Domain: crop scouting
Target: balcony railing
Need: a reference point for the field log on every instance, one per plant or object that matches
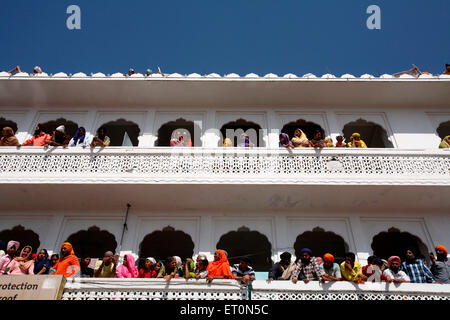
(181, 289)
(225, 165)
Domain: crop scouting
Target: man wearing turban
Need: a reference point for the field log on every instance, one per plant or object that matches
(330, 271)
(307, 267)
(440, 267)
(393, 273)
(68, 264)
(7, 260)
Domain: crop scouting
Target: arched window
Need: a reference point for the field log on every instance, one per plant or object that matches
(165, 243)
(443, 130)
(92, 242)
(7, 123)
(25, 237)
(321, 242)
(168, 130)
(116, 130)
(395, 243)
(309, 128)
(233, 130)
(244, 242)
(70, 126)
(371, 133)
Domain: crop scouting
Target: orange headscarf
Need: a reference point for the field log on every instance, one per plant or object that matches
(439, 247)
(220, 268)
(69, 247)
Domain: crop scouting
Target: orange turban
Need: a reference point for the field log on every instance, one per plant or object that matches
(439, 247)
(69, 247)
(328, 257)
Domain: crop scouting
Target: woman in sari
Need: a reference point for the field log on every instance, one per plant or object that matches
(169, 270)
(148, 271)
(245, 141)
(284, 141)
(22, 264)
(127, 269)
(220, 267)
(445, 142)
(187, 270)
(227, 143)
(8, 138)
(42, 263)
(356, 142)
(317, 141)
(300, 140)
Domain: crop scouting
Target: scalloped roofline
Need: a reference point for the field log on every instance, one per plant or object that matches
(215, 76)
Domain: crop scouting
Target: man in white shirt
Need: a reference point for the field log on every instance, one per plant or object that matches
(393, 274)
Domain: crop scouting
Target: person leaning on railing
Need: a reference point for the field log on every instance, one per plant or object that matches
(243, 271)
(59, 138)
(307, 267)
(351, 270)
(101, 139)
(330, 271)
(39, 137)
(440, 267)
(8, 139)
(106, 268)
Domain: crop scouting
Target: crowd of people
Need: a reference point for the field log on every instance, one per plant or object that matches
(300, 140)
(58, 138)
(306, 268)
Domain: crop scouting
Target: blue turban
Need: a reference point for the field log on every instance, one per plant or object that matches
(308, 251)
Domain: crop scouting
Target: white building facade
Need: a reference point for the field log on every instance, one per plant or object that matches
(214, 196)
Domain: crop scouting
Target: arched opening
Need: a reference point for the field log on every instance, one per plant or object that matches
(443, 130)
(70, 126)
(92, 242)
(188, 129)
(234, 130)
(24, 236)
(252, 244)
(7, 123)
(309, 128)
(165, 243)
(116, 131)
(371, 133)
(395, 243)
(321, 242)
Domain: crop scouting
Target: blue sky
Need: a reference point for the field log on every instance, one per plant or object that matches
(240, 36)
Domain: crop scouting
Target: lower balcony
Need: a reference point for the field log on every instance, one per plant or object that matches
(225, 166)
(181, 289)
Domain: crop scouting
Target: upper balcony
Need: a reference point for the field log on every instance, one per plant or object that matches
(304, 166)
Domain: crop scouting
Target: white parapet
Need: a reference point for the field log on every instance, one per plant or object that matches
(199, 289)
(225, 165)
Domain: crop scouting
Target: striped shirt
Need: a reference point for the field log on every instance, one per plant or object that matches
(240, 273)
(417, 271)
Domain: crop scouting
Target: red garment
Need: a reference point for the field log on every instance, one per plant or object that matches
(37, 141)
(220, 268)
(147, 274)
(367, 274)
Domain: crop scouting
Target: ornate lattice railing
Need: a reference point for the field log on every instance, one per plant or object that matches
(230, 165)
(343, 290)
(180, 289)
(152, 289)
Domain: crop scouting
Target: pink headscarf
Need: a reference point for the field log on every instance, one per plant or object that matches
(13, 243)
(129, 271)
